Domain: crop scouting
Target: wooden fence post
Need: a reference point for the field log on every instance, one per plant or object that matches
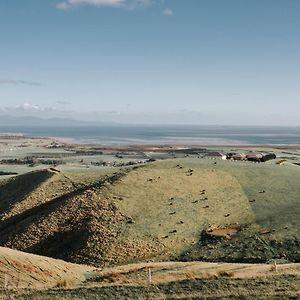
(149, 276)
(5, 281)
(275, 266)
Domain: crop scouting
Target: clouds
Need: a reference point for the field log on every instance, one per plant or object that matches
(127, 4)
(168, 12)
(71, 3)
(67, 4)
(28, 108)
(20, 82)
(63, 102)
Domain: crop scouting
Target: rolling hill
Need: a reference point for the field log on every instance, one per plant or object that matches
(24, 270)
(178, 209)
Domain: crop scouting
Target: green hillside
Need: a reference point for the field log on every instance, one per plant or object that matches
(178, 209)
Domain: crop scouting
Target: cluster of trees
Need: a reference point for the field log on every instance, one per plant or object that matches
(263, 158)
(31, 161)
(267, 157)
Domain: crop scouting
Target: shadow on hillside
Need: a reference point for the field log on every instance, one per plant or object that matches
(16, 225)
(18, 188)
(26, 231)
(243, 248)
(62, 245)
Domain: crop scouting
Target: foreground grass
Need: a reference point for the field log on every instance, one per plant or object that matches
(279, 287)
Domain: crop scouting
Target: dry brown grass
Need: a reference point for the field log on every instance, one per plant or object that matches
(281, 161)
(225, 274)
(22, 270)
(62, 283)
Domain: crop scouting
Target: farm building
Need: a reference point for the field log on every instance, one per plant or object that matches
(216, 155)
(254, 156)
(238, 156)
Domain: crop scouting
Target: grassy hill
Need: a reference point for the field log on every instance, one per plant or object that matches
(23, 270)
(169, 208)
(178, 209)
(75, 226)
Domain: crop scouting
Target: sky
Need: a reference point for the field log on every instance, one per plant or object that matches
(233, 62)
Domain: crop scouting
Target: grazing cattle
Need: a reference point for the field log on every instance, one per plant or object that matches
(130, 221)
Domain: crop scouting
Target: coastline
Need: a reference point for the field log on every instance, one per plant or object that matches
(141, 137)
(158, 146)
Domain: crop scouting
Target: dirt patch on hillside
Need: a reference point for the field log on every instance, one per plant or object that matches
(227, 233)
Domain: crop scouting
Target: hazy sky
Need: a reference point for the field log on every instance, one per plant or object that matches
(185, 61)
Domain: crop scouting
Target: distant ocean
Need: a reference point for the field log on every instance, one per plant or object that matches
(205, 135)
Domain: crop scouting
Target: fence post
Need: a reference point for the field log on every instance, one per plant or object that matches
(149, 276)
(5, 281)
(275, 266)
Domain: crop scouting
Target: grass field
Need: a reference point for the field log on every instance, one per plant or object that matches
(164, 210)
(168, 207)
(182, 210)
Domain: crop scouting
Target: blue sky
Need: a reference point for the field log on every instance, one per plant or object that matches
(152, 61)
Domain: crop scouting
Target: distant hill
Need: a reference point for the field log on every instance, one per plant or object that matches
(6, 120)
